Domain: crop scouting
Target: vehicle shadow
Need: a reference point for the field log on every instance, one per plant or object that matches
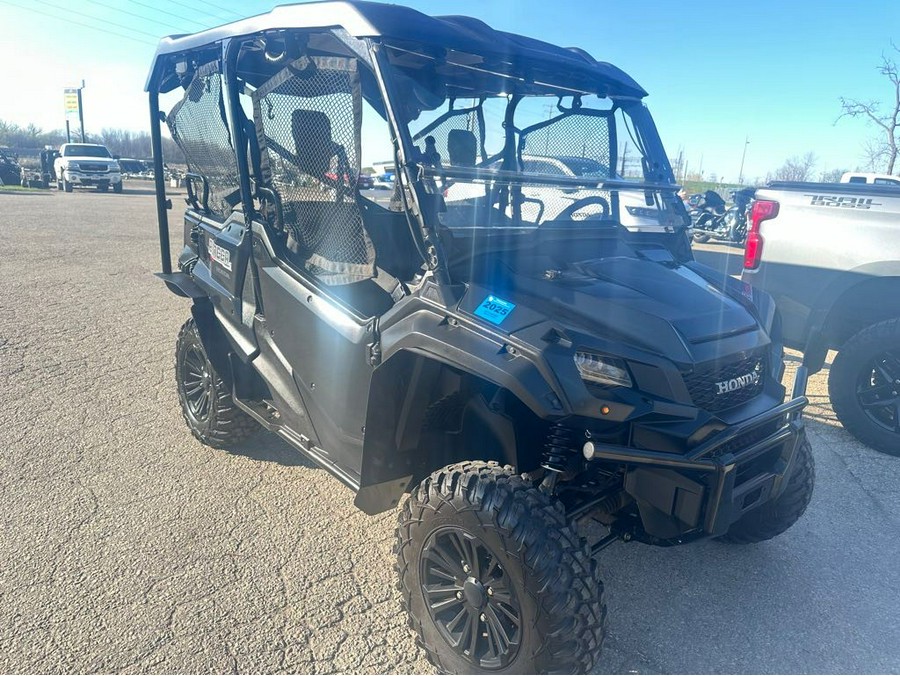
(715, 607)
(267, 447)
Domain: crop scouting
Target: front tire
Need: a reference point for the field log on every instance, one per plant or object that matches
(117, 187)
(495, 578)
(776, 516)
(68, 187)
(205, 398)
(864, 386)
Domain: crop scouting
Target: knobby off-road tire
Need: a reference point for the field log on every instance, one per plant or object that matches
(205, 398)
(491, 564)
(864, 386)
(776, 516)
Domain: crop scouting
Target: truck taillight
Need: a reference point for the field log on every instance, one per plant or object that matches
(762, 210)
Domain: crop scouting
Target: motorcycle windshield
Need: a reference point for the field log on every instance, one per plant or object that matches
(499, 152)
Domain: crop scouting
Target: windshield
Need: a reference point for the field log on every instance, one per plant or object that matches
(85, 151)
(507, 153)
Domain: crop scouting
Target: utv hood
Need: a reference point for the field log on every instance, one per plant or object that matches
(664, 308)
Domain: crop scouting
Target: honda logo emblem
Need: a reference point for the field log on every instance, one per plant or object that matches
(725, 386)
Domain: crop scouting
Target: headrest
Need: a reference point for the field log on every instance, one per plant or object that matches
(462, 146)
(311, 130)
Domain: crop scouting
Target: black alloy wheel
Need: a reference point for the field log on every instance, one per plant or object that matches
(196, 383)
(878, 390)
(864, 386)
(469, 598)
(205, 398)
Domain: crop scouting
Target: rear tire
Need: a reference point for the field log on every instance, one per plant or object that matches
(510, 586)
(206, 403)
(776, 516)
(864, 386)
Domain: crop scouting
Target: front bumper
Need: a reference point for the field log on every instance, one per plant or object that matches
(83, 178)
(701, 493)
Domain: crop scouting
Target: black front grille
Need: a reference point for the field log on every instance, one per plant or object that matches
(95, 167)
(722, 386)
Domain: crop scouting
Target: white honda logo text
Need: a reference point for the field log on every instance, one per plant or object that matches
(737, 383)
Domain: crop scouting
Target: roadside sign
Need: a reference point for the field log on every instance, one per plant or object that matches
(70, 100)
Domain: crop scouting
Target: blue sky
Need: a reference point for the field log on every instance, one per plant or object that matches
(716, 72)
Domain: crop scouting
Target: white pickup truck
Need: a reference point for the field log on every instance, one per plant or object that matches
(87, 165)
(829, 253)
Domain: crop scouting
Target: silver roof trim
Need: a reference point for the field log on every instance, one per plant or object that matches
(328, 14)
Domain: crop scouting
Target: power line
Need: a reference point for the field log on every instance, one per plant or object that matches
(138, 16)
(78, 23)
(172, 14)
(93, 18)
(219, 16)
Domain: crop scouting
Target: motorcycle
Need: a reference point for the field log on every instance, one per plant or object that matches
(710, 219)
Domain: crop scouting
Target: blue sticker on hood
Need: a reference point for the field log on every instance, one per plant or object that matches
(494, 309)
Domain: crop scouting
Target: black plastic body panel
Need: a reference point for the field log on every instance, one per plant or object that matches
(325, 349)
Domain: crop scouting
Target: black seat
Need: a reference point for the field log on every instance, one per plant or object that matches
(462, 147)
(328, 225)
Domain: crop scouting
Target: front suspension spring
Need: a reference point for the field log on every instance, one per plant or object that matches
(560, 448)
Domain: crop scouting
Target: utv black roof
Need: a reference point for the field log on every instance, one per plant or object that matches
(512, 53)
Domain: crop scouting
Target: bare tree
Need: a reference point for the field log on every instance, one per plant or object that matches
(882, 150)
(796, 168)
(832, 175)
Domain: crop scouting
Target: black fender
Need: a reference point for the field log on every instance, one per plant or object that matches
(399, 395)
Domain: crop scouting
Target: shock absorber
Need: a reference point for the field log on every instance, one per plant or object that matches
(559, 450)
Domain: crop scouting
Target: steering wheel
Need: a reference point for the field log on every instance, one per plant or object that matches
(566, 214)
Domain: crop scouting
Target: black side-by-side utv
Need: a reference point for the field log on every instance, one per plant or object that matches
(516, 335)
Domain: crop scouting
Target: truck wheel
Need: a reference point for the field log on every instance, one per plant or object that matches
(776, 516)
(205, 398)
(700, 237)
(495, 578)
(67, 186)
(864, 386)
(117, 187)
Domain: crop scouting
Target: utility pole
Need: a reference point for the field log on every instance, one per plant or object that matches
(743, 156)
(81, 111)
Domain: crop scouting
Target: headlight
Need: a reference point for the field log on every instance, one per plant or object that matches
(115, 167)
(643, 212)
(602, 369)
(71, 166)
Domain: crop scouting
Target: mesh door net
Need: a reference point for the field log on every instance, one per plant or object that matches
(197, 124)
(308, 123)
(458, 137)
(577, 144)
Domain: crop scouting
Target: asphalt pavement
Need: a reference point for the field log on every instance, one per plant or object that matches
(126, 546)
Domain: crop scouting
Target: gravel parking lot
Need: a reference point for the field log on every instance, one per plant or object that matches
(126, 546)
